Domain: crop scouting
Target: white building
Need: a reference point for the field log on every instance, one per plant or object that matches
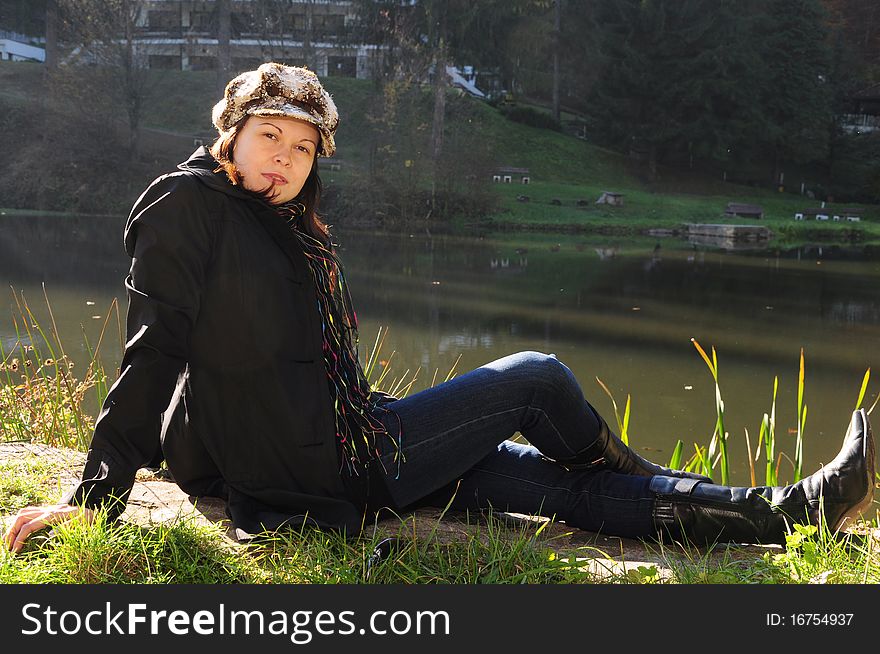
(183, 35)
(12, 50)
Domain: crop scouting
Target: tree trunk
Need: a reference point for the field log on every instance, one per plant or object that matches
(51, 35)
(308, 55)
(224, 55)
(777, 165)
(439, 118)
(556, 45)
(132, 87)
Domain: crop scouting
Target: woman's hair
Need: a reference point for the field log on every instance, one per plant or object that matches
(309, 196)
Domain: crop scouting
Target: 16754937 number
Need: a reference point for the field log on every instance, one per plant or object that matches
(821, 619)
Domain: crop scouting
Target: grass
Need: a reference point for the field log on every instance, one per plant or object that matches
(643, 210)
(714, 457)
(562, 167)
(41, 400)
(45, 402)
(24, 483)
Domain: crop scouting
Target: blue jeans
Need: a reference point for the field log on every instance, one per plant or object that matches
(454, 441)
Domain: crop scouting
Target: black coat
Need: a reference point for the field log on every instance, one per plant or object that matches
(224, 341)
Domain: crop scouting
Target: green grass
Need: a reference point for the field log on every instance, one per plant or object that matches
(25, 482)
(643, 210)
(185, 552)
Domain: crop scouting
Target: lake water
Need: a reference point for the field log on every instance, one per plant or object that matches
(623, 310)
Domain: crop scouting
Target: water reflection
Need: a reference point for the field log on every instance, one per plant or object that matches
(620, 310)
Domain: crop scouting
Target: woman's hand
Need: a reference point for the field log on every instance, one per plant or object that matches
(34, 518)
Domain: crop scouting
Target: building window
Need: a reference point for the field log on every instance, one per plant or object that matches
(246, 63)
(165, 62)
(163, 19)
(242, 23)
(201, 21)
(327, 25)
(342, 66)
(295, 23)
(202, 63)
(507, 179)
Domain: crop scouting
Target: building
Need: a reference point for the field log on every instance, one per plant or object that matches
(848, 214)
(612, 198)
(183, 35)
(864, 116)
(464, 79)
(18, 47)
(506, 175)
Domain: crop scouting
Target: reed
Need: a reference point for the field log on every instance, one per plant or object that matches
(719, 437)
(801, 423)
(41, 399)
(622, 423)
(767, 436)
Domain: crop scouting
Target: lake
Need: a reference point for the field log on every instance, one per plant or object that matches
(620, 309)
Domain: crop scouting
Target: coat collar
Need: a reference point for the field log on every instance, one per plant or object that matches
(203, 164)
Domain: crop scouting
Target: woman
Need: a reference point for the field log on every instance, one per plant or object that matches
(241, 371)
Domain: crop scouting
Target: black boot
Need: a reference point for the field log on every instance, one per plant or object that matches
(700, 513)
(609, 452)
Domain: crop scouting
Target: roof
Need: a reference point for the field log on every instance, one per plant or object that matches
(869, 92)
(511, 169)
(459, 80)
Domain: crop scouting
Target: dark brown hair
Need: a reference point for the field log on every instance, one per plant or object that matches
(309, 196)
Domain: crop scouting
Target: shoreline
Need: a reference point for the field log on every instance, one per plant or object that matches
(785, 233)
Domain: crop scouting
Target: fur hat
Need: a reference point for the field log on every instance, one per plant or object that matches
(278, 90)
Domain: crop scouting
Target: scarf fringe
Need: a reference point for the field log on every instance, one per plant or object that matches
(357, 430)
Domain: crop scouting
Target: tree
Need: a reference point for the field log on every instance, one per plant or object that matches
(858, 24)
(23, 16)
(795, 94)
(103, 33)
(557, 31)
(51, 34)
(661, 61)
(419, 40)
(224, 54)
(278, 25)
(692, 80)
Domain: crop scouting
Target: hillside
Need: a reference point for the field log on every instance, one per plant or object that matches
(567, 173)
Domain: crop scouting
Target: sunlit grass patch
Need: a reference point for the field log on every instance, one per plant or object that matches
(118, 552)
(26, 481)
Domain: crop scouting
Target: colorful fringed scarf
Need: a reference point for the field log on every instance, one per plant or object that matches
(356, 428)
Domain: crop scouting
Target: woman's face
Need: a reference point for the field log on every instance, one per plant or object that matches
(275, 152)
